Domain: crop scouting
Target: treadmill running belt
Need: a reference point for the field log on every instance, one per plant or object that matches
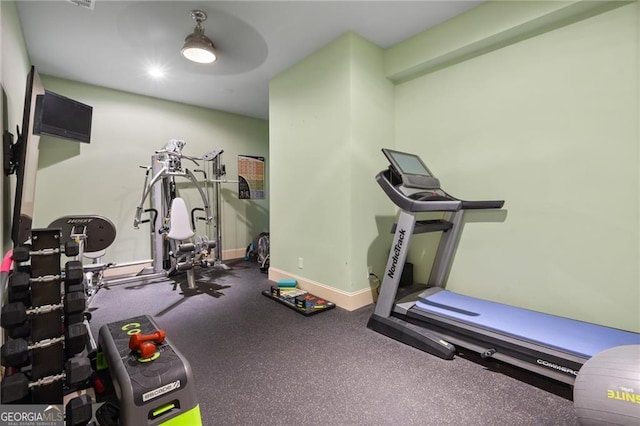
(565, 334)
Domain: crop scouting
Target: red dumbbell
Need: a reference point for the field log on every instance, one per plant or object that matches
(145, 342)
(146, 349)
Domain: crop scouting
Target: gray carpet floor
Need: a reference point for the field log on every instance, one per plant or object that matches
(256, 362)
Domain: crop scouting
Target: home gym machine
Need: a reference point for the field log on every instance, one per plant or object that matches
(172, 249)
(437, 319)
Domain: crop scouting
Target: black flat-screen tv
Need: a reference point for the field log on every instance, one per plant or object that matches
(63, 117)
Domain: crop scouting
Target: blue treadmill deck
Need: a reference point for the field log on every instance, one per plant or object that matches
(577, 337)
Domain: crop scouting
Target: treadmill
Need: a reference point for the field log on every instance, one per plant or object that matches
(435, 320)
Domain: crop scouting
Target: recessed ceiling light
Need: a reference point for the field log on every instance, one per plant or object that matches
(156, 72)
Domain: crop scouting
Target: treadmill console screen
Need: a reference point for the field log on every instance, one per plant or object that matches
(413, 171)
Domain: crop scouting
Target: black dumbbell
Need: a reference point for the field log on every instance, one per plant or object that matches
(21, 331)
(71, 248)
(17, 352)
(73, 273)
(78, 411)
(19, 287)
(23, 253)
(15, 388)
(15, 314)
(108, 414)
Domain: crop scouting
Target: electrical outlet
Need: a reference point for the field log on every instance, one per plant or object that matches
(300, 263)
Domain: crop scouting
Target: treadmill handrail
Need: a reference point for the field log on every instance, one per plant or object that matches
(482, 205)
(408, 204)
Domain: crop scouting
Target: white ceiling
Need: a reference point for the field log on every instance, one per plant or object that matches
(114, 44)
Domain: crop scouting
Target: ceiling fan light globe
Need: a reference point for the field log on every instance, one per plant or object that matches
(198, 48)
(199, 55)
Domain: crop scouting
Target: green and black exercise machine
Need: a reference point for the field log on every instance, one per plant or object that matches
(153, 382)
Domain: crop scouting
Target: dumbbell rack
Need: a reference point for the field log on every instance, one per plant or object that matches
(45, 355)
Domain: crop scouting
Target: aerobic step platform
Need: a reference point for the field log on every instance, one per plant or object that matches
(300, 301)
(153, 391)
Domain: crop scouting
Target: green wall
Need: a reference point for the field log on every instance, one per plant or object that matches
(372, 128)
(321, 138)
(488, 27)
(549, 124)
(310, 163)
(532, 102)
(104, 177)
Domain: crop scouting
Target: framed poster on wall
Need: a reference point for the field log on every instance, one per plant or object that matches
(251, 177)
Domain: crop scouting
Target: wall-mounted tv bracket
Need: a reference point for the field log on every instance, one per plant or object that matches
(10, 151)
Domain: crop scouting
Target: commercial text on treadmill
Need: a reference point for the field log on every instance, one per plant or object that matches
(557, 367)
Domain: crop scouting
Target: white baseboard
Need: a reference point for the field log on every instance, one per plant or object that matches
(233, 253)
(129, 268)
(343, 299)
